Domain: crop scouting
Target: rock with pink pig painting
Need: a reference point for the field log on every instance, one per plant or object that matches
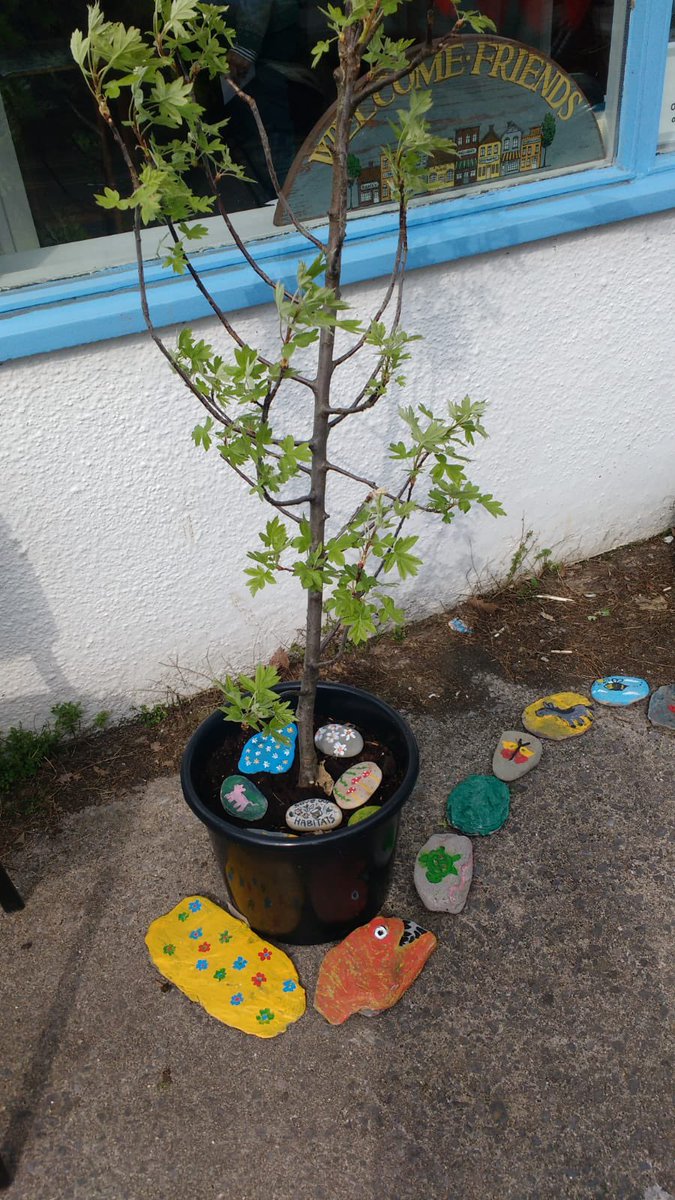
(443, 872)
(241, 798)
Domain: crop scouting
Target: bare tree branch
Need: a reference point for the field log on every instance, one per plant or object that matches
(397, 272)
(264, 140)
(207, 295)
(369, 483)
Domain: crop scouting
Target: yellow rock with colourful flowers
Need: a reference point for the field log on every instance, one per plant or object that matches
(220, 963)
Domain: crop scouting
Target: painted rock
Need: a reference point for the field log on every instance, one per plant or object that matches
(241, 798)
(562, 715)
(264, 752)
(620, 690)
(516, 754)
(662, 707)
(363, 813)
(479, 804)
(357, 784)
(223, 965)
(372, 968)
(338, 741)
(443, 872)
(312, 816)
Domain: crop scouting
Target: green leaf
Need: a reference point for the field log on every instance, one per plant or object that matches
(79, 47)
(399, 557)
(110, 198)
(201, 434)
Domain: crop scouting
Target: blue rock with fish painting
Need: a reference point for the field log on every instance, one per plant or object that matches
(265, 752)
(620, 690)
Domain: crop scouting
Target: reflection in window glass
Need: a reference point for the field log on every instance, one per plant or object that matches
(55, 152)
(667, 123)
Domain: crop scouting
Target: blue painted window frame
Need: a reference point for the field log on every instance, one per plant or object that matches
(105, 305)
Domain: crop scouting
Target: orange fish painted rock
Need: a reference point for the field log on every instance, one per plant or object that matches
(372, 968)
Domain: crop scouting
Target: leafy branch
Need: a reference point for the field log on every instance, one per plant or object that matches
(144, 88)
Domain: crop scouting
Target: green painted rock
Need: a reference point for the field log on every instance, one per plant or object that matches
(478, 805)
(362, 813)
(241, 798)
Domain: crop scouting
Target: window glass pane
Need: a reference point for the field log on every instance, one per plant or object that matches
(544, 101)
(667, 124)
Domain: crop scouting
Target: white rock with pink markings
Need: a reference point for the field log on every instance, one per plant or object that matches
(443, 872)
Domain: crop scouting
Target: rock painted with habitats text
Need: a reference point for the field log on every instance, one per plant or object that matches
(516, 754)
(221, 964)
(619, 690)
(372, 968)
(241, 798)
(265, 752)
(313, 816)
(443, 872)
(559, 716)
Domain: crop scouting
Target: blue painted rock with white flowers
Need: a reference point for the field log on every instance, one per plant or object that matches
(620, 690)
(264, 752)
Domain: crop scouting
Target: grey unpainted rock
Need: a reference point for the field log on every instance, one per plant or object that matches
(443, 872)
(661, 709)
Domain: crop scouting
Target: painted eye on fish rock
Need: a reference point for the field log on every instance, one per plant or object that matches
(355, 894)
(381, 932)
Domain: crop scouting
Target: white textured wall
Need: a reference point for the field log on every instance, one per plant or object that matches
(122, 546)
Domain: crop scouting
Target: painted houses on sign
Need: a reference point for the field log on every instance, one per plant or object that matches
(477, 159)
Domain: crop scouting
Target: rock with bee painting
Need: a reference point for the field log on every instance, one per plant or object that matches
(516, 754)
(443, 872)
(372, 968)
(620, 690)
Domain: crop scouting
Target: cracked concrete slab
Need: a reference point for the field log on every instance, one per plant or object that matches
(529, 1061)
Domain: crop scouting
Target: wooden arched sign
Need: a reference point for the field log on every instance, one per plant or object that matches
(511, 111)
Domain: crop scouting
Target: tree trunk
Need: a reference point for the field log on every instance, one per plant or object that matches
(346, 75)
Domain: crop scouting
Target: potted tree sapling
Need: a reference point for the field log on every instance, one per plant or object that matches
(312, 872)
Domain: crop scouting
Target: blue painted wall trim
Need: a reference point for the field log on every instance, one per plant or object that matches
(105, 305)
(114, 310)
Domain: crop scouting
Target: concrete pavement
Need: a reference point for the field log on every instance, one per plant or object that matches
(529, 1061)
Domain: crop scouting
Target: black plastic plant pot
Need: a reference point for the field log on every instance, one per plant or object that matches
(317, 888)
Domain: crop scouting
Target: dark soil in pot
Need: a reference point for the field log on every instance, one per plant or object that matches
(281, 791)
